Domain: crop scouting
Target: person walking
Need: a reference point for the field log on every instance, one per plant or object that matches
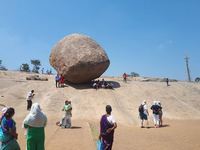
(167, 81)
(107, 128)
(8, 134)
(125, 77)
(143, 113)
(29, 99)
(35, 123)
(155, 109)
(160, 114)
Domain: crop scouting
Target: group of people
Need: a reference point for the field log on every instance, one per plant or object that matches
(36, 120)
(96, 84)
(34, 124)
(60, 80)
(156, 111)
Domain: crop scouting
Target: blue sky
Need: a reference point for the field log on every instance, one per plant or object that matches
(148, 37)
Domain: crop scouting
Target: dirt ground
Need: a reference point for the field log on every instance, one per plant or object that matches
(180, 101)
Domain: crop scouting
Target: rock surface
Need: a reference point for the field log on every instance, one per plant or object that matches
(36, 77)
(79, 58)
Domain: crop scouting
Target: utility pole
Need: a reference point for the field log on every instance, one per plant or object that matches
(187, 67)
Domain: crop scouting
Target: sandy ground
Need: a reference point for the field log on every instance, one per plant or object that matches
(180, 101)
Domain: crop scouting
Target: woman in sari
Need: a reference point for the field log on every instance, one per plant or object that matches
(8, 135)
(35, 122)
(107, 127)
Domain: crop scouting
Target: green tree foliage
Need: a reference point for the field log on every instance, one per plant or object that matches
(36, 65)
(2, 67)
(49, 72)
(25, 68)
(197, 79)
(134, 74)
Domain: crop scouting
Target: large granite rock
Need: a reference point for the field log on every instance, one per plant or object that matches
(79, 58)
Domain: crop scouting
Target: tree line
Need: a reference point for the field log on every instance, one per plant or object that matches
(24, 67)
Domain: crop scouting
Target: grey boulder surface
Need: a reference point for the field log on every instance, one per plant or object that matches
(79, 58)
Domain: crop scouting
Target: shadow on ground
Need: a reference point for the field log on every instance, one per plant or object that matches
(89, 85)
(163, 126)
(75, 127)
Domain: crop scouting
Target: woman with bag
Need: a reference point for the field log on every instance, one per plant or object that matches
(107, 128)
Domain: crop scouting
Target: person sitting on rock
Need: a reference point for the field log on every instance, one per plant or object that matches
(109, 85)
(96, 84)
(103, 83)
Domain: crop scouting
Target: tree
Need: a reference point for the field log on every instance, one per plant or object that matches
(197, 79)
(134, 74)
(25, 68)
(42, 70)
(2, 67)
(49, 72)
(36, 65)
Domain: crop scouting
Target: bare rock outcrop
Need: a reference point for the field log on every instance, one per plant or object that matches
(79, 58)
(36, 77)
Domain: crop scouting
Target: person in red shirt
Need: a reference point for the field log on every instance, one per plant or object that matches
(124, 77)
(62, 80)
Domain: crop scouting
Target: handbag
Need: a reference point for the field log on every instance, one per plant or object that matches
(99, 145)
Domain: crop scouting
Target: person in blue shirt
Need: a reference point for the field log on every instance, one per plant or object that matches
(57, 79)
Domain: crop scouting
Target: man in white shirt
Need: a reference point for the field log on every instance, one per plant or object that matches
(29, 99)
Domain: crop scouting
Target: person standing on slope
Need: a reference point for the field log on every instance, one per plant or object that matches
(143, 113)
(29, 99)
(107, 128)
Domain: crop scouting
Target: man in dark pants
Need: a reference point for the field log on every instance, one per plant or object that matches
(57, 79)
(167, 81)
(29, 99)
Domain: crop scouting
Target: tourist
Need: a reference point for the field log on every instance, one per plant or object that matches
(107, 128)
(155, 108)
(57, 79)
(125, 77)
(143, 113)
(35, 122)
(29, 99)
(167, 81)
(160, 114)
(62, 81)
(66, 120)
(96, 84)
(8, 135)
(103, 83)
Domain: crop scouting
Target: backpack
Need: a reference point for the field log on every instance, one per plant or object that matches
(141, 108)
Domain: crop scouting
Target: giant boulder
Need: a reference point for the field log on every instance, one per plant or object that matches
(79, 58)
